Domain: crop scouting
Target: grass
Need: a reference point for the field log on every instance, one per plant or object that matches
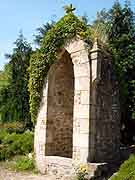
(127, 170)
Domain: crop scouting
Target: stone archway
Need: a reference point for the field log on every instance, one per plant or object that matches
(71, 68)
(79, 112)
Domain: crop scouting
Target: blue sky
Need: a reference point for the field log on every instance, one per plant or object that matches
(27, 15)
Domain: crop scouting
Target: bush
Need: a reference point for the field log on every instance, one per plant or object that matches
(11, 127)
(3, 133)
(24, 163)
(127, 170)
(15, 144)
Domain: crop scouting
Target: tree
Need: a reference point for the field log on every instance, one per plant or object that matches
(101, 26)
(42, 32)
(5, 76)
(122, 44)
(118, 26)
(16, 95)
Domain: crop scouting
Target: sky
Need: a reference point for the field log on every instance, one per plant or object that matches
(28, 15)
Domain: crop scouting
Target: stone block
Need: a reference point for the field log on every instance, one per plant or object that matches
(82, 83)
(80, 57)
(75, 45)
(94, 70)
(82, 70)
(76, 153)
(84, 125)
(83, 154)
(81, 111)
(76, 139)
(77, 97)
(85, 97)
(94, 56)
(84, 140)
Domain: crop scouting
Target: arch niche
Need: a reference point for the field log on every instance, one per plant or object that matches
(64, 107)
(59, 128)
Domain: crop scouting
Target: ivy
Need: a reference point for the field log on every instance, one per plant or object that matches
(67, 28)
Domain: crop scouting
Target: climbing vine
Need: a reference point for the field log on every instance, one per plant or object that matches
(68, 27)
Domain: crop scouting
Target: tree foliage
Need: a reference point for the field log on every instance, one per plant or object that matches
(101, 26)
(122, 44)
(119, 27)
(14, 98)
(42, 31)
(5, 76)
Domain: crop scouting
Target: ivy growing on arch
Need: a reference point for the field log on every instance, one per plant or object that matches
(67, 28)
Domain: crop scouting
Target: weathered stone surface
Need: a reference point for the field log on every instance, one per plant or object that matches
(81, 111)
(82, 83)
(79, 114)
(59, 128)
(82, 70)
(75, 45)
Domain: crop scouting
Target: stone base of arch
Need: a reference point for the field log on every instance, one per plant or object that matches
(66, 168)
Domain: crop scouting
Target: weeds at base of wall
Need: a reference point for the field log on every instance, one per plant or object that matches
(24, 163)
(81, 172)
(21, 163)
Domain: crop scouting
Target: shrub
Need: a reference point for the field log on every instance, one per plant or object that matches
(11, 127)
(127, 170)
(3, 133)
(15, 144)
(24, 163)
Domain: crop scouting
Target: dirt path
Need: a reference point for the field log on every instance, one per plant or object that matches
(10, 175)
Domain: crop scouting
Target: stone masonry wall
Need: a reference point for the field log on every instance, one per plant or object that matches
(104, 110)
(59, 130)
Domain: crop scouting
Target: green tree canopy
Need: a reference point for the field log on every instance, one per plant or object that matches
(5, 76)
(119, 26)
(42, 31)
(14, 99)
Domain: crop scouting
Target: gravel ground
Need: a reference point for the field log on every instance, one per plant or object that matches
(10, 175)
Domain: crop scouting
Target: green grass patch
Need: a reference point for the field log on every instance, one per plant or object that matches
(20, 163)
(24, 163)
(127, 170)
